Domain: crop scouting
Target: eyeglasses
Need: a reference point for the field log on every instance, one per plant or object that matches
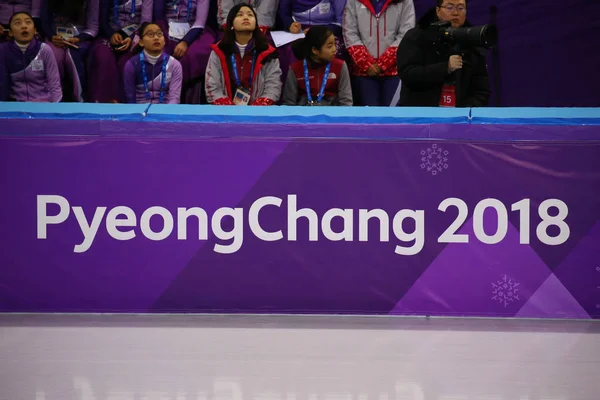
(451, 7)
(152, 35)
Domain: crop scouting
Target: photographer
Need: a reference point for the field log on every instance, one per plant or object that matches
(436, 71)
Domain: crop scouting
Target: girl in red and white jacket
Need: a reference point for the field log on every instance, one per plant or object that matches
(243, 69)
(318, 78)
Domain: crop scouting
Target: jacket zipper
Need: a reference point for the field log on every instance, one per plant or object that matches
(25, 76)
(152, 90)
(377, 36)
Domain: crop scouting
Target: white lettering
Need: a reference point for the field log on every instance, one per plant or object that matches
(294, 214)
(363, 224)
(418, 235)
(347, 232)
(182, 216)
(253, 215)
(43, 219)
(237, 233)
(89, 230)
(113, 222)
(167, 223)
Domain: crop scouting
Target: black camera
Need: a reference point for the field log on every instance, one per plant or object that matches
(466, 37)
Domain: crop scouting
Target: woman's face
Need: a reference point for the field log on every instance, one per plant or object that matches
(244, 21)
(22, 28)
(153, 38)
(328, 50)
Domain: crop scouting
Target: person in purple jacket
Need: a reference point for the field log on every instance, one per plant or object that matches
(10, 7)
(119, 23)
(152, 76)
(28, 69)
(189, 39)
(72, 25)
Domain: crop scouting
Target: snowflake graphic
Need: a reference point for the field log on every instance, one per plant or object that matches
(434, 159)
(505, 291)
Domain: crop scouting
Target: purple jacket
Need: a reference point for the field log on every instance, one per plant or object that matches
(134, 82)
(32, 76)
(164, 11)
(108, 24)
(88, 28)
(9, 7)
(313, 12)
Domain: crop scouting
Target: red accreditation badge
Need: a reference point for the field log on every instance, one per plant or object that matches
(448, 96)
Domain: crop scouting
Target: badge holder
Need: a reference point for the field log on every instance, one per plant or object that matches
(67, 32)
(178, 30)
(241, 97)
(129, 30)
(37, 65)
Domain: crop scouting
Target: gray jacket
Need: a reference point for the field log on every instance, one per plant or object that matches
(266, 85)
(376, 32)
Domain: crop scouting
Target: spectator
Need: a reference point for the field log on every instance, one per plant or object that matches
(243, 68)
(432, 73)
(28, 70)
(372, 31)
(152, 76)
(318, 78)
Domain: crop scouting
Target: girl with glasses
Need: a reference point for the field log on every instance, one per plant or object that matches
(152, 76)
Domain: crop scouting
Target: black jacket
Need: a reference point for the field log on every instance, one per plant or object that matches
(423, 69)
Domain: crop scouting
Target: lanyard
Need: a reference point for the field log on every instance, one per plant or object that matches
(116, 11)
(163, 81)
(235, 71)
(306, 81)
(189, 9)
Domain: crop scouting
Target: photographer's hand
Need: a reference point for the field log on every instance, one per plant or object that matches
(454, 63)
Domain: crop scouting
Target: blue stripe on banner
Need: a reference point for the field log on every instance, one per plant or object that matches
(297, 119)
(536, 116)
(300, 115)
(73, 111)
(544, 121)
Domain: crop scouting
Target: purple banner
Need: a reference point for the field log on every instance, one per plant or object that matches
(266, 225)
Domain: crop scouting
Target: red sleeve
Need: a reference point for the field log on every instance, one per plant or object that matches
(361, 57)
(262, 101)
(223, 101)
(388, 59)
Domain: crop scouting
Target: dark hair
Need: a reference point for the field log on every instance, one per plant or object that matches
(227, 44)
(440, 2)
(138, 47)
(315, 37)
(17, 13)
(72, 10)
